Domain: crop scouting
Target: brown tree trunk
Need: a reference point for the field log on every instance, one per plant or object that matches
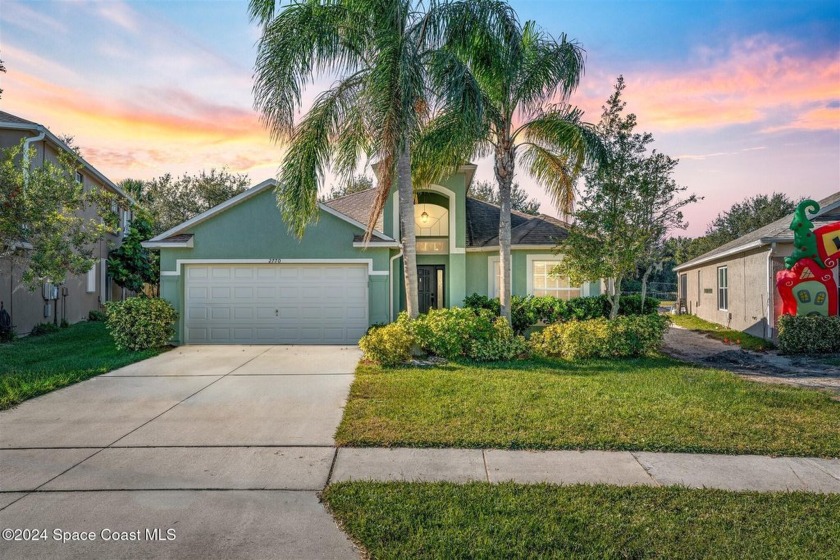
(644, 285)
(407, 236)
(504, 167)
(614, 297)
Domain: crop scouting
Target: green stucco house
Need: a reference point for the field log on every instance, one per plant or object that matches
(236, 276)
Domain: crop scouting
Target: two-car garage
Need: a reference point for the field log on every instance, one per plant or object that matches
(292, 303)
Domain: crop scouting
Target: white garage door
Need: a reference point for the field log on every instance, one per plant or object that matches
(276, 304)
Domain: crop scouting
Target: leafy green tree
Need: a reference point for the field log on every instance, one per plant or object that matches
(378, 51)
(742, 218)
(2, 69)
(356, 183)
(488, 192)
(627, 207)
(508, 87)
(131, 265)
(49, 223)
(171, 200)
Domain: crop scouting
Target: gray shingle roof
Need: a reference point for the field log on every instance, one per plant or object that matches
(482, 221)
(357, 206)
(778, 231)
(10, 118)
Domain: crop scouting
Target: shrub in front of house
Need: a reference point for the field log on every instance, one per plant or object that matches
(530, 310)
(522, 312)
(43, 328)
(809, 335)
(97, 315)
(138, 323)
(622, 337)
(388, 345)
(449, 332)
(501, 344)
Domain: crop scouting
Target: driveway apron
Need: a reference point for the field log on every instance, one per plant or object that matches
(201, 452)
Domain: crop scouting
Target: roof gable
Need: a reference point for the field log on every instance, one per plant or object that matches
(778, 231)
(268, 184)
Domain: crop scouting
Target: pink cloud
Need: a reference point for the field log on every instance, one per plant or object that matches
(755, 81)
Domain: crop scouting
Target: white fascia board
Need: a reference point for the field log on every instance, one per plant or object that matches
(243, 196)
(734, 251)
(179, 263)
(215, 210)
(374, 245)
(495, 248)
(168, 244)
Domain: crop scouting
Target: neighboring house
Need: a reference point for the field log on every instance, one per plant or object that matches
(236, 276)
(735, 284)
(79, 294)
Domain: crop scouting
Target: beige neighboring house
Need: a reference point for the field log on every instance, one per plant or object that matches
(735, 284)
(79, 294)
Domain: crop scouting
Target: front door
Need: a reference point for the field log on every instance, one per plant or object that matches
(430, 290)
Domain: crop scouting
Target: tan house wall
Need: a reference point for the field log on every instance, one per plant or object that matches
(27, 307)
(749, 278)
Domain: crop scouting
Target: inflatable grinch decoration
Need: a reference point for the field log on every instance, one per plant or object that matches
(807, 284)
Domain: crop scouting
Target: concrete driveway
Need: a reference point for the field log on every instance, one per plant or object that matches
(202, 452)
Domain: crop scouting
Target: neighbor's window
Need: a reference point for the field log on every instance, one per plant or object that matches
(723, 288)
(548, 284)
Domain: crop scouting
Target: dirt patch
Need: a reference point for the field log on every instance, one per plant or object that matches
(766, 367)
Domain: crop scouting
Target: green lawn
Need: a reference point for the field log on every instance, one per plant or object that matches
(36, 365)
(652, 404)
(719, 332)
(479, 520)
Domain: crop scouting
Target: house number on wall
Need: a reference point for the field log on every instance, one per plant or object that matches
(274, 261)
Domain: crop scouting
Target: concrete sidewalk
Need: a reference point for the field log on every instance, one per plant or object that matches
(728, 472)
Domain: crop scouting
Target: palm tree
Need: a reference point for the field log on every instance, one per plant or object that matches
(380, 50)
(374, 109)
(514, 86)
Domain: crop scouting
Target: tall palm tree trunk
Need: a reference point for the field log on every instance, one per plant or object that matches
(407, 236)
(503, 167)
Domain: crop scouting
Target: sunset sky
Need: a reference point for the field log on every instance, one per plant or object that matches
(746, 94)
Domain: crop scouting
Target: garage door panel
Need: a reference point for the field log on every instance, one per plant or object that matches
(243, 313)
(276, 304)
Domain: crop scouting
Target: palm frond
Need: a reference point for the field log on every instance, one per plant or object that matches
(549, 67)
(556, 145)
(301, 42)
(310, 151)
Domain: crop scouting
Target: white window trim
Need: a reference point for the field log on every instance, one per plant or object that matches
(453, 211)
(719, 288)
(91, 280)
(180, 262)
(529, 270)
(491, 275)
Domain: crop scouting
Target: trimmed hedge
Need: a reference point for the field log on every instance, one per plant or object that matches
(528, 311)
(387, 345)
(139, 323)
(809, 334)
(455, 333)
(622, 337)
